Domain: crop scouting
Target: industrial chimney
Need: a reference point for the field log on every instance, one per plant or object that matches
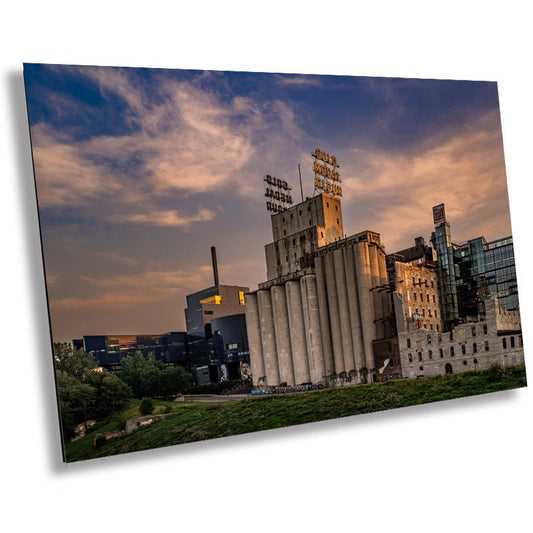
(215, 265)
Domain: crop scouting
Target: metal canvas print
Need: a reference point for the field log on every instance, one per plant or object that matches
(230, 252)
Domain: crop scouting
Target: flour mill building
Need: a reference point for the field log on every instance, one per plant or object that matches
(336, 309)
(326, 299)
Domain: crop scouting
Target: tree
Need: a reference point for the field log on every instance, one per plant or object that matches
(76, 363)
(173, 380)
(84, 396)
(151, 378)
(114, 392)
(83, 391)
(76, 400)
(146, 407)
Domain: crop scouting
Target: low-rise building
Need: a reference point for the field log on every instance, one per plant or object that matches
(497, 338)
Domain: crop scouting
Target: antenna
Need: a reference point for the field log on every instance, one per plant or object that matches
(301, 189)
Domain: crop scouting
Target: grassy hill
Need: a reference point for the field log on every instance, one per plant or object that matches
(190, 422)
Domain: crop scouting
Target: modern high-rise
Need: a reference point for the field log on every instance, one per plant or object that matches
(472, 272)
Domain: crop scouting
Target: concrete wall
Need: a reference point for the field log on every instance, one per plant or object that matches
(319, 326)
(301, 230)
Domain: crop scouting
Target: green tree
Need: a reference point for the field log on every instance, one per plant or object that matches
(84, 396)
(173, 380)
(76, 363)
(114, 392)
(76, 401)
(146, 407)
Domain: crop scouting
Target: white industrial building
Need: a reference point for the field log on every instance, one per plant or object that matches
(325, 301)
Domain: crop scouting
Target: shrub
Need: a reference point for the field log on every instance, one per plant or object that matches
(146, 407)
(99, 441)
(495, 373)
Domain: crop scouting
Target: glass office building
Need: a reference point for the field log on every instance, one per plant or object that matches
(471, 272)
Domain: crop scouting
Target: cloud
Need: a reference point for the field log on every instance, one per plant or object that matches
(184, 140)
(127, 291)
(172, 218)
(298, 80)
(64, 175)
(463, 168)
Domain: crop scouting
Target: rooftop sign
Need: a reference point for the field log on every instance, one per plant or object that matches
(278, 194)
(439, 215)
(327, 178)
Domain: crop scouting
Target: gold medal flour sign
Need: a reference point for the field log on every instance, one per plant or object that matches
(278, 194)
(327, 178)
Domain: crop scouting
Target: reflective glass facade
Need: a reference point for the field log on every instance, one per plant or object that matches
(472, 272)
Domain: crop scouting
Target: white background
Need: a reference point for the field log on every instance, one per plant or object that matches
(464, 465)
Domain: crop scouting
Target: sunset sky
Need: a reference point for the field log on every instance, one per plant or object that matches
(140, 171)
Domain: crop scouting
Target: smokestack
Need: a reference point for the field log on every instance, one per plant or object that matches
(215, 266)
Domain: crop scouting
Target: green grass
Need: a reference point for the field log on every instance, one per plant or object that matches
(190, 422)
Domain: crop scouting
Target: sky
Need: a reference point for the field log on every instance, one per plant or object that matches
(140, 171)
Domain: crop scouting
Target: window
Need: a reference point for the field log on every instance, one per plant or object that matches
(430, 354)
(421, 367)
(441, 353)
(420, 356)
(431, 326)
(232, 346)
(427, 297)
(284, 232)
(415, 296)
(327, 204)
(473, 331)
(429, 339)
(432, 287)
(463, 348)
(451, 335)
(452, 351)
(464, 362)
(410, 356)
(512, 342)
(336, 208)
(291, 216)
(485, 329)
(474, 348)
(504, 341)
(338, 221)
(429, 313)
(408, 343)
(486, 346)
(207, 312)
(433, 295)
(437, 324)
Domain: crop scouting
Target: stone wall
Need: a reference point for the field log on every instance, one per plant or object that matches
(471, 346)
